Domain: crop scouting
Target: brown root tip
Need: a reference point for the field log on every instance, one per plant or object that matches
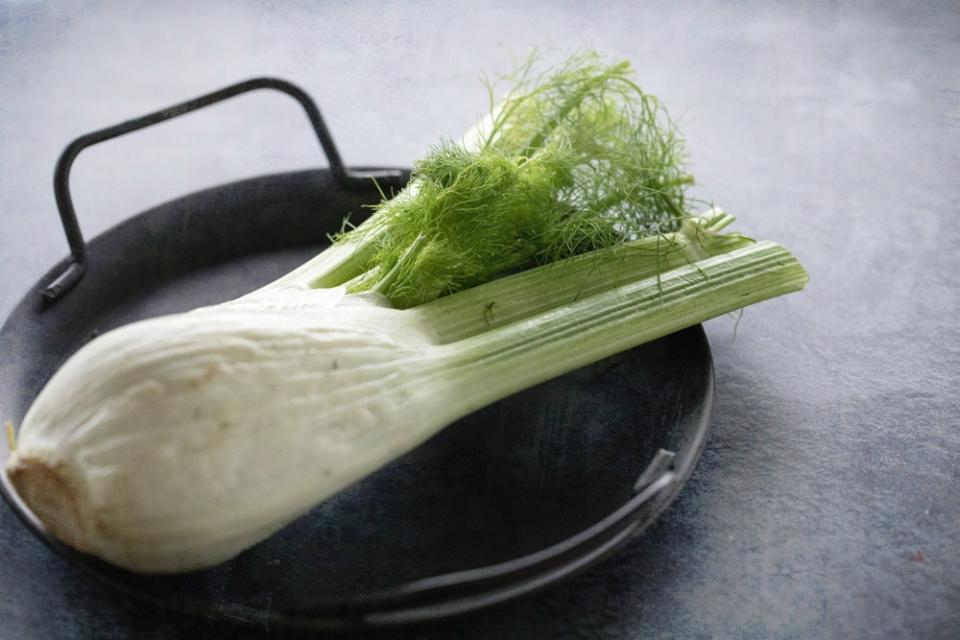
(53, 496)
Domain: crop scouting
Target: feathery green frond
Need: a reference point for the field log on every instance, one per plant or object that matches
(574, 158)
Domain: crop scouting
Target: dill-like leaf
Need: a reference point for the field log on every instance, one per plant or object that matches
(575, 158)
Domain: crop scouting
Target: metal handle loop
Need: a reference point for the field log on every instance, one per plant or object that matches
(346, 178)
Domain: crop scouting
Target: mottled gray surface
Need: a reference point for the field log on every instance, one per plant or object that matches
(827, 504)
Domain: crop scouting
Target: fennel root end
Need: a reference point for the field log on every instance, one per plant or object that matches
(54, 496)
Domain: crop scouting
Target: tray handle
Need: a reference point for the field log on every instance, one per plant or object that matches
(660, 466)
(346, 178)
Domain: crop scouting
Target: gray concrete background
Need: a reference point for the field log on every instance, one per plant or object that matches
(827, 504)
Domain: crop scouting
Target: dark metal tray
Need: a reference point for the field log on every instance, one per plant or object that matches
(505, 502)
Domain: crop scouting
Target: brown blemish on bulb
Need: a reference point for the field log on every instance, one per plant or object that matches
(211, 373)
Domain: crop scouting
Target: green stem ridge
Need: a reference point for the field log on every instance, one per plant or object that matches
(528, 293)
(499, 362)
(337, 264)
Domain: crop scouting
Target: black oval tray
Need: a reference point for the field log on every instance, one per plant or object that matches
(507, 501)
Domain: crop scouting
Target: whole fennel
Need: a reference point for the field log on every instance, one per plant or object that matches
(177, 442)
